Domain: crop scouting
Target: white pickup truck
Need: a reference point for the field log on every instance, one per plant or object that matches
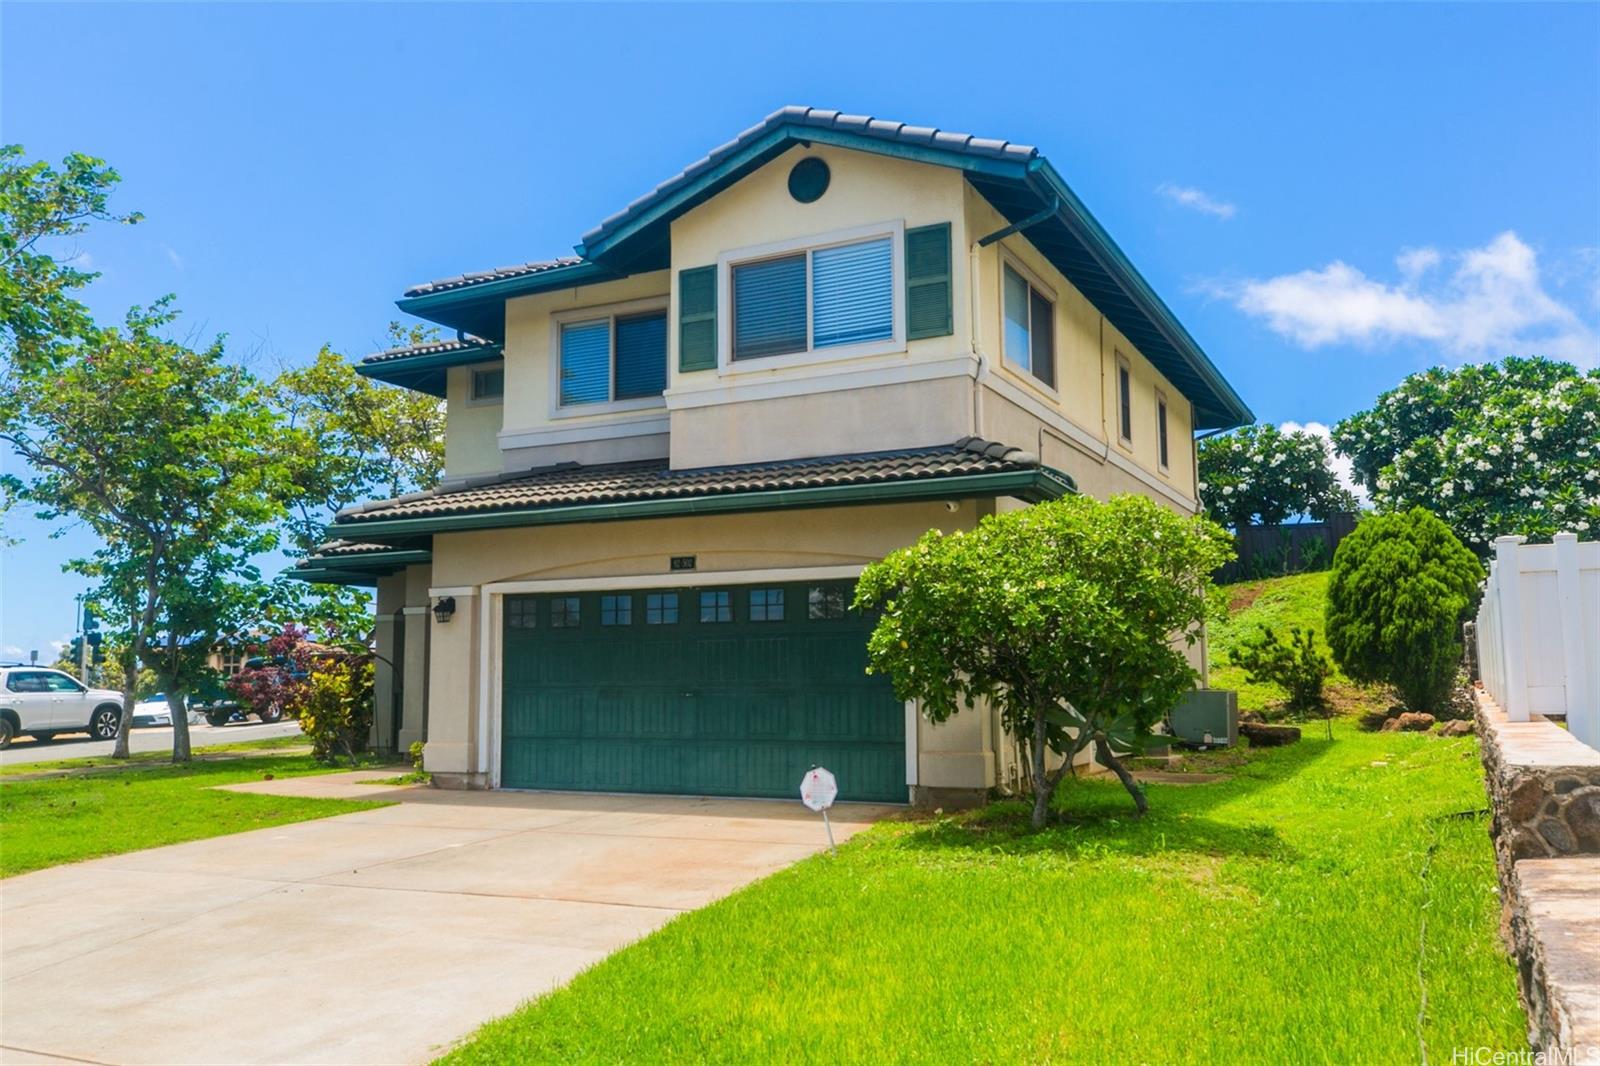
(40, 702)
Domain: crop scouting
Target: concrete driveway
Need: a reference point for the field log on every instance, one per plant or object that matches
(375, 937)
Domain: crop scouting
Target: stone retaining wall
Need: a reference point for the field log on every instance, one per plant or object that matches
(1544, 795)
(1544, 787)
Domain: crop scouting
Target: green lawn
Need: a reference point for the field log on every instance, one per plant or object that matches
(1280, 602)
(1275, 916)
(149, 758)
(49, 820)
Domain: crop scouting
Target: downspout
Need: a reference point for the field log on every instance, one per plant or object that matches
(1105, 428)
(981, 370)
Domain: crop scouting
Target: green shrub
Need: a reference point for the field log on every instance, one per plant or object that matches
(1297, 665)
(335, 711)
(416, 755)
(1402, 584)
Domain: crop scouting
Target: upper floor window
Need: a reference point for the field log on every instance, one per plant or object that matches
(615, 357)
(1161, 431)
(488, 384)
(831, 296)
(1124, 401)
(1030, 333)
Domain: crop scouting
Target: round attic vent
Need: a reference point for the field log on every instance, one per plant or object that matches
(808, 180)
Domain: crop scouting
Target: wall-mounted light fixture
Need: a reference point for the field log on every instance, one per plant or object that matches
(444, 608)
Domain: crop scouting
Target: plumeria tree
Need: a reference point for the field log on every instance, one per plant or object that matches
(1492, 448)
(1260, 475)
(1069, 617)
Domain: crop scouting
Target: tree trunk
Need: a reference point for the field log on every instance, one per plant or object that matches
(1043, 787)
(130, 687)
(178, 704)
(1103, 753)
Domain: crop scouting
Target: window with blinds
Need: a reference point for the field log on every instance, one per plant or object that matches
(819, 298)
(622, 357)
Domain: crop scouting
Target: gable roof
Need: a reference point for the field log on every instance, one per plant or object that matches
(1018, 181)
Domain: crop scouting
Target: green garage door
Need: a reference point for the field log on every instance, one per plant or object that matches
(733, 690)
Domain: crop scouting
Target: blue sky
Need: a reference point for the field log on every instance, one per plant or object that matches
(1328, 196)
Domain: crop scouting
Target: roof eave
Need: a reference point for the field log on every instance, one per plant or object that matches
(454, 307)
(426, 373)
(1076, 215)
(1032, 485)
(364, 568)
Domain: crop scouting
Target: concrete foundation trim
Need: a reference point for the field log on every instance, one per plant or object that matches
(932, 797)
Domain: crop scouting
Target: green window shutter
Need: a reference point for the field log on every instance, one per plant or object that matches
(928, 296)
(697, 319)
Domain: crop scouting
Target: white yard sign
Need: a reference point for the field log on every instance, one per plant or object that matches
(818, 790)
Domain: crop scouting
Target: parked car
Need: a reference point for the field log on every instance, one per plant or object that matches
(153, 710)
(157, 710)
(39, 702)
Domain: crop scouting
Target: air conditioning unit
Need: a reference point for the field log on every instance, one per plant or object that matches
(1206, 716)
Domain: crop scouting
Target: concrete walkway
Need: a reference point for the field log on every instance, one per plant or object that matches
(376, 937)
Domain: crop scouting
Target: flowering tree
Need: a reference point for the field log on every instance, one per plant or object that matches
(1262, 475)
(1492, 448)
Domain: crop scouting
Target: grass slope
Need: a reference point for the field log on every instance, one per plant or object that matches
(1275, 916)
(49, 820)
(1279, 603)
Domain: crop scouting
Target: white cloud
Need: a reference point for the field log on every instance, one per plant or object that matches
(173, 256)
(79, 260)
(1342, 468)
(1490, 302)
(1196, 200)
(59, 646)
(11, 651)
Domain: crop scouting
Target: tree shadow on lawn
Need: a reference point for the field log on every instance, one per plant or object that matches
(1094, 817)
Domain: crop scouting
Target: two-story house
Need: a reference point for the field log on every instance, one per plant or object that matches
(670, 455)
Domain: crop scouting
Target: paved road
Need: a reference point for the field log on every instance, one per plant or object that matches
(78, 745)
(429, 917)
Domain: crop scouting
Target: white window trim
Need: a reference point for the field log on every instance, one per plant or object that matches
(610, 312)
(1163, 422)
(895, 230)
(472, 376)
(1014, 368)
(1121, 362)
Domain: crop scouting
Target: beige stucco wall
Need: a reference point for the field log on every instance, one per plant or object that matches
(1087, 346)
(470, 446)
(535, 432)
(916, 393)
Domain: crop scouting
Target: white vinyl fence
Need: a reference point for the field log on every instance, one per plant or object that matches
(1538, 631)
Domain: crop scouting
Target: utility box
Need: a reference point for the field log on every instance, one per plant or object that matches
(1213, 711)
